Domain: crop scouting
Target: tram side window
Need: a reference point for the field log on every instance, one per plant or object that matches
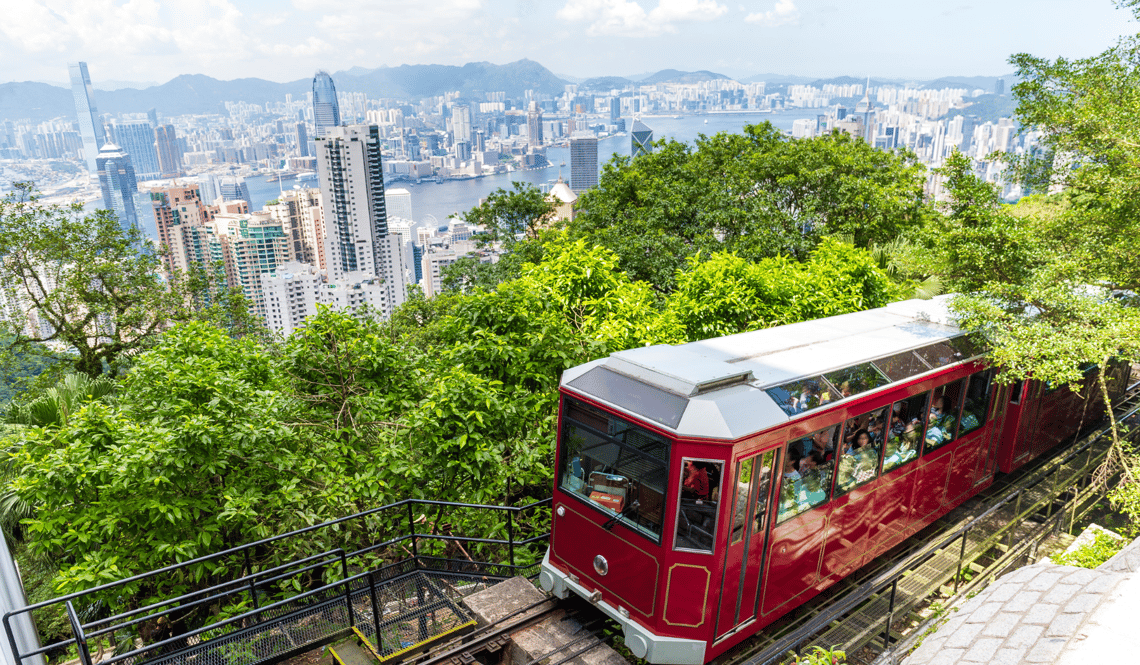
(614, 465)
(862, 445)
(945, 411)
(904, 436)
(977, 399)
(697, 512)
(808, 467)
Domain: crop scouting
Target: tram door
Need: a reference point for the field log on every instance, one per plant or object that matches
(748, 529)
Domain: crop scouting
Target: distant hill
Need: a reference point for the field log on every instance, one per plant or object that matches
(606, 83)
(35, 101)
(677, 76)
(971, 82)
(197, 93)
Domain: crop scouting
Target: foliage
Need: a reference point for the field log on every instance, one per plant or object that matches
(978, 242)
(1088, 111)
(758, 195)
(54, 406)
(193, 457)
(727, 294)
(508, 214)
(1090, 555)
(817, 655)
(82, 278)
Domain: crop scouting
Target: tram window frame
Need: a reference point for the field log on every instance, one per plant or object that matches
(591, 421)
(741, 512)
(895, 430)
(1015, 393)
(792, 493)
(943, 392)
(982, 414)
(860, 458)
(711, 519)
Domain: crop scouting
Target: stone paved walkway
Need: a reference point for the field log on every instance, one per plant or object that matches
(1045, 614)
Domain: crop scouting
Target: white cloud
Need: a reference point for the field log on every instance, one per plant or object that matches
(784, 13)
(629, 18)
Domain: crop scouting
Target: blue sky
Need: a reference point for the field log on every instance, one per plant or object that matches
(281, 40)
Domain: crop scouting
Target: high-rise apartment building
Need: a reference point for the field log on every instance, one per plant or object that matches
(326, 109)
(534, 125)
(355, 212)
(181, 217)
(137, 139)
(169, 152)
(117, 180)
(461, 122)
(641, 139)
(90, 127)
(299, 212)
(583, 161)
(252, 245)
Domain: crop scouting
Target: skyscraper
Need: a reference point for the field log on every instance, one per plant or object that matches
(169, 154)
(326, 110)
(461, 122)
(117, 180)
(302, 140)
(641, 139)
(534, 125)
(137, 140)
(233, 188)
(583, 161)
(352, 191)
(90, 127)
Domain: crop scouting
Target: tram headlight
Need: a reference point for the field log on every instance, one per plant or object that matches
(601, 566)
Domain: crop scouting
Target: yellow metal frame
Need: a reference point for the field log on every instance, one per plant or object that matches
(411, 647)
(704, 599)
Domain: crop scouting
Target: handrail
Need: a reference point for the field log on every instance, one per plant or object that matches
(266, 541)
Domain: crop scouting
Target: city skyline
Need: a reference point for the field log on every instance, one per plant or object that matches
(254, 38)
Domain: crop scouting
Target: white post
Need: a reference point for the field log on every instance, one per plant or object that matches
(11, 599)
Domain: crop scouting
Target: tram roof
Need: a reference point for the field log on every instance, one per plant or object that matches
(733, 386)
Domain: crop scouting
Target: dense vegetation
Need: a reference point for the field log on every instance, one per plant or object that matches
(206, 432)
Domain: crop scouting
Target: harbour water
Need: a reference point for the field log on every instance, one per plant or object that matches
(433, 203)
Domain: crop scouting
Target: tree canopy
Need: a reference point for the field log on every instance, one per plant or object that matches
(757, 194)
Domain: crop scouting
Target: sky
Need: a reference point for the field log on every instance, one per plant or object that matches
(284, 40)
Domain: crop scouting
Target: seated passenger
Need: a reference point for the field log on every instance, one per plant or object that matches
(695, 484)
(821, 444)
(860, 439)
(941, 426)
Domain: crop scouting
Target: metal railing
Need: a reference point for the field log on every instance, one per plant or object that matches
(274, 602)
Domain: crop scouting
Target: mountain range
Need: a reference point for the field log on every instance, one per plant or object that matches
(197, 93)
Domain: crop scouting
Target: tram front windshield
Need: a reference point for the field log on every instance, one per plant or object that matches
(614, 465)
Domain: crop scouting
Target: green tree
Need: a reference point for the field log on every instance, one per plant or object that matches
(81, 278)
(757, 194)
(506, 214)
(1088, 111)
(194, 455)
(978, 240)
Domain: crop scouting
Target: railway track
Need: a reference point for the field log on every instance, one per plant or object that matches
(481, 645)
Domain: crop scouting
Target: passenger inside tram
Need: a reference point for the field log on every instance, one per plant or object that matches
(696, 515)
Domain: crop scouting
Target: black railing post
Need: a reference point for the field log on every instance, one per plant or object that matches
(890, 615)
(511, 536)
(348, 590)
(80, 638)
(961, 556)
(12, 638)
(412, 534)
(376, 609)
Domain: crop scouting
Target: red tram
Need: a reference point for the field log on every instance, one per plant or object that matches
(704, 490)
